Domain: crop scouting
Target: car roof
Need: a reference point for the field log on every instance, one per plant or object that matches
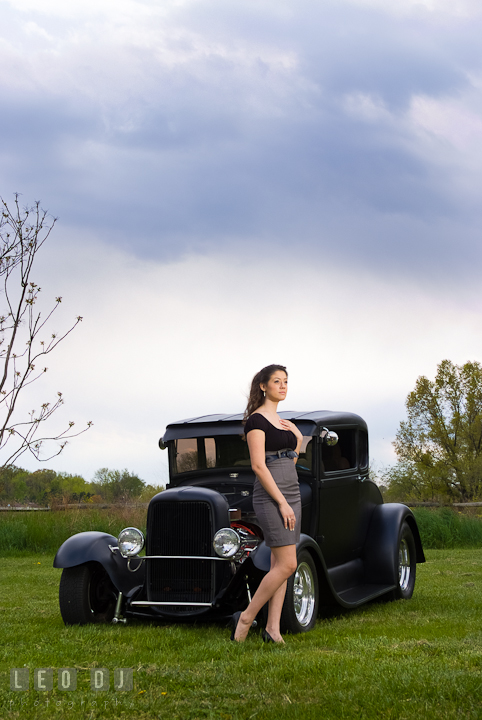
(212, 425)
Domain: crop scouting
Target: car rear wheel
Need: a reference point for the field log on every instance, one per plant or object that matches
(300, 607)
(86, 595)
(407, 565)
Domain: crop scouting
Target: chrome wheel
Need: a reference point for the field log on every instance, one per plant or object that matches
(404, 568)
(406, 559)
(300, 607)
(304, 598)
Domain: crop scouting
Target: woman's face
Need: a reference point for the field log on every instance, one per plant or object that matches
(277, 386)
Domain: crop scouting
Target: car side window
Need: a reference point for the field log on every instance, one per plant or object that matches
(341, 456)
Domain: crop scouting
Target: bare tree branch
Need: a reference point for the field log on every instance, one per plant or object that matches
(23, 231)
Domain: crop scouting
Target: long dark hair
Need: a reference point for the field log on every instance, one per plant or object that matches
(256, 397)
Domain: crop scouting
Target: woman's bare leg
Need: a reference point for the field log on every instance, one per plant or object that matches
(275, 607)
(283, 565)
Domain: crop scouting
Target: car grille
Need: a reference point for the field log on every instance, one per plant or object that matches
(180, 528)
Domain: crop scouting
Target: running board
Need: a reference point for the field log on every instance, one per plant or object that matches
(363, 593)
(149, 603)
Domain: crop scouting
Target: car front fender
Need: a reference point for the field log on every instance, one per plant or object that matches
(93, 546)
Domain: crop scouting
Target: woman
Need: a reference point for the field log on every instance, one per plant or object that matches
(273, 447)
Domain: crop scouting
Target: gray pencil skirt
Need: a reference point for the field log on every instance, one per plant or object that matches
(267, 511)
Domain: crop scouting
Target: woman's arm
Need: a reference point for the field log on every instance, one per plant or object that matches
(256, 445)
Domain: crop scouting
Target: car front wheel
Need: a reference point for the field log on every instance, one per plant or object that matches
(407, 565)
(86, 595)
(300, 607)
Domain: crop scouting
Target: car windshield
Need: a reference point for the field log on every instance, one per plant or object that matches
(223, 451)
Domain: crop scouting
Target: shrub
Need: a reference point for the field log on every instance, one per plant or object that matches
(446, 528)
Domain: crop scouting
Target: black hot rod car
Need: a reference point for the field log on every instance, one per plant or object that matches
(204, 550)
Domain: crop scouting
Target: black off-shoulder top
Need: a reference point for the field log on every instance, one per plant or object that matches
(275, 439)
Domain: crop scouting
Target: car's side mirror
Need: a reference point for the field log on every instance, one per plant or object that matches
(329, 437)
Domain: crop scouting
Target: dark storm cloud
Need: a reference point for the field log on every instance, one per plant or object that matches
(250, 139)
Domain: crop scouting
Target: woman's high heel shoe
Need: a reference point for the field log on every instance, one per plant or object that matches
(267, 637)
(234, 623)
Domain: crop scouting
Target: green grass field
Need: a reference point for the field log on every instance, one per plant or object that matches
(407, 659)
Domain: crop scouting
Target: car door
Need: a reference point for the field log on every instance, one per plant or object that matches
(340, 526)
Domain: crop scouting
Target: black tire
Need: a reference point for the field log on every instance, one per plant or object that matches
(407, 565)
(86, 595)
(301, 603)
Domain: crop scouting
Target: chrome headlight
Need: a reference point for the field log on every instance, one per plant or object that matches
(226, 542)
(130, 541)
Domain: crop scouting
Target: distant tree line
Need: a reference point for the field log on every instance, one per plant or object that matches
(47, 487)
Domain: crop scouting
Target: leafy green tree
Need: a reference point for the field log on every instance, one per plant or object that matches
(149, 491)
(39, 486)
(405, 481)
(117, 485)
(25, 340)
(439, 446)
(66, 488)
(13, 487)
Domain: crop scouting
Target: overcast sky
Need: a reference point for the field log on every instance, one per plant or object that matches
(241, 183)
